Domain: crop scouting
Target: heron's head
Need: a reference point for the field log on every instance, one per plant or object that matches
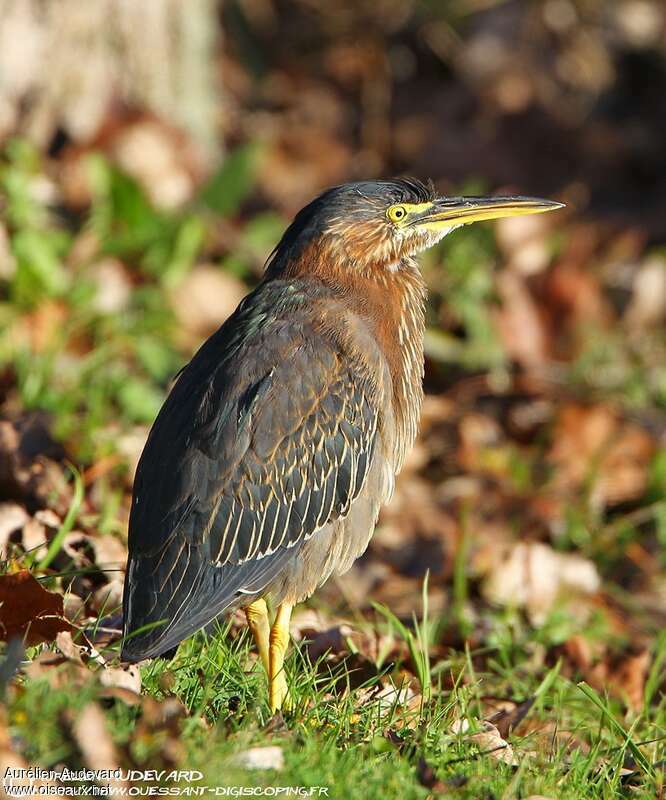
(377, 224)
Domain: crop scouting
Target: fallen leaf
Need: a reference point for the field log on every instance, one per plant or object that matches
(591, 443)
(523, 241)
(130, 445)
(28, 464)
(488, 740)
(74, 607)
(34, 539)
(7, 260)
(126, 696)
(628, 677)
(622, 675)
(205, 298)
(94, 741)
(159, 158)
(113, 287)
(163, 715)
(13, 517)
(66, 646)
(574, 293)
(29, 611)
(270, 757)
(108, 597)
(648, 303)
(509, 718)
(110, 553)
(58, 671)
(534, 576)
(128, 677)
(333, 641)
(520, 324)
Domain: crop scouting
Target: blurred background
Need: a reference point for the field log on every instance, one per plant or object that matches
(151, 155)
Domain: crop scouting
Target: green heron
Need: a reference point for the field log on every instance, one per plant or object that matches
(267, 465)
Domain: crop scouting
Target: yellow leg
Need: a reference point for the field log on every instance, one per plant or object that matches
(257, 620)
(279, 643)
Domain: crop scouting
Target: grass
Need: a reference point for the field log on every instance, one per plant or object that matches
(576, 742)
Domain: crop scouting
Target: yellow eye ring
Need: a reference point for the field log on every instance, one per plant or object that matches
(396, 213)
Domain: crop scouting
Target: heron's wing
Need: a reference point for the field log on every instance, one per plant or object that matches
(266, 437)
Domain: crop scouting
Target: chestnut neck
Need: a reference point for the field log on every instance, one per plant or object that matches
(390, 298)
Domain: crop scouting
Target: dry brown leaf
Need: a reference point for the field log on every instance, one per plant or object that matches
(58, 671)
(592, 441)
(478, 433)
(38, 479)
(94, 741)
(126, 696)
(623, 471)
(523, 242)
(533, 575)
(108, 597)
(49, 519)
(304, 161)
(308, 622)
(270, 757)
(491, 743)
(29, 611)
(159, 158)
(165, 714)
(74, 607)
(13, 517)
(413, 508)
(7, 260)
(65, 644)
(77, 546)
(648, 303)
(391, 696)
(488, 740)
(579, 650)
(333, 641)
(575, 292)
(45, 322)
(38, 531)
(113, 287)
(163, 717)
(110, 552)
(130, 445)
(34, 538)
(627, 679)
(622, 675)
(128, 677)
(205, 298)
(520, 323)
(509, 717)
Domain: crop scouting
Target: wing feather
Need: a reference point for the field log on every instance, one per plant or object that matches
(266, 437)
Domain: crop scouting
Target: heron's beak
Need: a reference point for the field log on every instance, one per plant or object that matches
(449, 212)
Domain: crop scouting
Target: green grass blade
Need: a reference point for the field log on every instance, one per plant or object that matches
(67, 523)
(589, 692)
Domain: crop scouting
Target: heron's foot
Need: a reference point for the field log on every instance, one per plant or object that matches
(278, 694)
(258, 622)
(278, 691)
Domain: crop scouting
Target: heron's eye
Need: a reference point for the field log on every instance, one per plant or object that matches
(396, 213)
